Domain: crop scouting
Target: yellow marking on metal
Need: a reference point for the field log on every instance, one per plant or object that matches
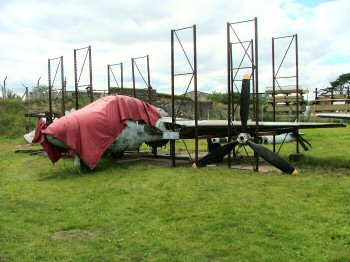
(295, 173)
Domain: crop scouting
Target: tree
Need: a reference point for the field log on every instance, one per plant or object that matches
(342, 82)
(40, 89)
(223, 97)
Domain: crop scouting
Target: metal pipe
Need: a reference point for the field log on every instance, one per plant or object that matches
(109, 79)
(273, 92)
(140, 57)
(285, 77)
(257, 90)
(56, 58)
(228, 90)
(183, 74)
(241, 42)
(63, 90)
(49, 121)
(172, 142)
(90, 67)
(297, 84)
(149, 81)
(241, 67)
(115, 64)
(195, 91)
(133, 76)
(241, 22)
(184, 28)
(76, 80)
(286, 36)
(232, 81)
(78, 49)
(121, 78)
(253, 78)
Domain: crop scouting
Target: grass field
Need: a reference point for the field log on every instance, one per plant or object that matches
(136, 211)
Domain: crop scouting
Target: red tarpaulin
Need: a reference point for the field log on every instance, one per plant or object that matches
(91, 130)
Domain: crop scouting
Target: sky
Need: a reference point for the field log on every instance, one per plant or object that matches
(32, 31)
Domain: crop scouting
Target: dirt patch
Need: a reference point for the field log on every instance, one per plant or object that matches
(239, 162)
(149, 159)
(73, 235)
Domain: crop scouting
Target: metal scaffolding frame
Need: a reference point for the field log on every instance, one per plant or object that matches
(250, 49)
(276, 77)
(193, 73)
(88, 87)
(148, 82)
(110, 73)
(53, 90)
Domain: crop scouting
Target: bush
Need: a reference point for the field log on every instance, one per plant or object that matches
(223, 97)
(12, 119)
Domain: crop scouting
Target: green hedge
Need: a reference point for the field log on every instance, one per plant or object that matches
(12, 120)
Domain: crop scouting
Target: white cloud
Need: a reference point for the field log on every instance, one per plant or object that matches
(33, 31)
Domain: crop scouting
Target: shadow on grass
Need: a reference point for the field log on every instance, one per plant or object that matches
(66, 170)
(336, 165)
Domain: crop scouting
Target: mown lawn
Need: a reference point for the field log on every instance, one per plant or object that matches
(136, 211)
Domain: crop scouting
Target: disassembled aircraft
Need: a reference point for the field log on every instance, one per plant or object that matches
(117, 123)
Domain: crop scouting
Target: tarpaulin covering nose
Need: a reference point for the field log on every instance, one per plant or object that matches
(91, 130)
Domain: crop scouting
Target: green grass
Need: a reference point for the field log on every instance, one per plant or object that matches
(138, 211)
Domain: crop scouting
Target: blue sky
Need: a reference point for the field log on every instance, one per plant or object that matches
(336, 60)
(312, 3)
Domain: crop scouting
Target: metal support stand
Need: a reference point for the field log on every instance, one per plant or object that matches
(248, 61)
(148, 82)
(193, 74)
(54, 91)
(88, 87)
(286, 77)
(110, 73)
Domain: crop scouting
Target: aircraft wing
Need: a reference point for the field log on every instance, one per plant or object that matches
(218, 128)
(337, 116)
